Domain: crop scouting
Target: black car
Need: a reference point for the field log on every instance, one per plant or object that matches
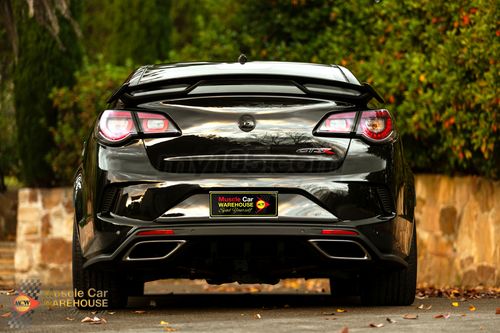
(250, 172)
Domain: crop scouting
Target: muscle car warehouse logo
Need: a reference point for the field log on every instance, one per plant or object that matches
(236, 204)
(90, 298)
(29, 297)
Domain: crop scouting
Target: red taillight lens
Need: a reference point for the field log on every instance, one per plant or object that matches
(375, 125)
(116, 125)
(155, 123)
(338, 123)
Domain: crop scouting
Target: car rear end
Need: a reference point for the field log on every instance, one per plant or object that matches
(252, 175)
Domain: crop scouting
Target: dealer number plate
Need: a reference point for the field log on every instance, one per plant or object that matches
(243, 204)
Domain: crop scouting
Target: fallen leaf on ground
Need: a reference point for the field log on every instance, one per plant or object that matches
(392, 321)
(472, 308)
(341, 310)
(99, 321)
(164, 322)
(423, 307)
(111, 313)
(258, 316)
(94, 320)
(8, 314)
(410, 316)
(376, 325)
(328, 313)
(460, 294)
(442, 316)
(455, 304)
(10, 292)
(344, 329)
(498, 311)
(169, 329)
(421, 295)
(139, 311)
(69, 319)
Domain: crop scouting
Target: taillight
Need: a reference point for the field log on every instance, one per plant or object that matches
(116, 125)
(338, 123)
(375, 125)
(154, 123)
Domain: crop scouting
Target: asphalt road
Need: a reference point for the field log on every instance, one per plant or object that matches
(264, 312)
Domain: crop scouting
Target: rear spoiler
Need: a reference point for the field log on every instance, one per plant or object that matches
(309, 87)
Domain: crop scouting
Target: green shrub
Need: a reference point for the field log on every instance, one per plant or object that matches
(436, 63)
(77, 108)
(127, 29)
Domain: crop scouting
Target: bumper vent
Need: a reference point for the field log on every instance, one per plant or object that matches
(386, 200)
(108, 199)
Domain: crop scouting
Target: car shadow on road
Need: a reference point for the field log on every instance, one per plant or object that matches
(238, 300)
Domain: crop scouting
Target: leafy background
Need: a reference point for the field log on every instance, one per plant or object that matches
(435, 62)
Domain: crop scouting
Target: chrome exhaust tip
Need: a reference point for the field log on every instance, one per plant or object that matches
(344, 249)
(153, 250)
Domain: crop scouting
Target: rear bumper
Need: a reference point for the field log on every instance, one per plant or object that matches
(264, 250)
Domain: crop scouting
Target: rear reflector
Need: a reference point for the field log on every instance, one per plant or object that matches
(339, 232)
(155, 232)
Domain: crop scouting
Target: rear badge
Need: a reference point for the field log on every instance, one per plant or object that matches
(243, 204)
(325, 151)
(246, 123)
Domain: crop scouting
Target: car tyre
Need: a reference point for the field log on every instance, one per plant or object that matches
(392, 287)
(86, 278)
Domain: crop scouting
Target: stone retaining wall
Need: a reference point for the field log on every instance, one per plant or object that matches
(458, 222)
(458, 225)
(44, 232)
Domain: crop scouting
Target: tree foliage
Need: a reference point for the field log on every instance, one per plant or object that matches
(118, 30)
(78, 107)
(436, 62)
(43, 62)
